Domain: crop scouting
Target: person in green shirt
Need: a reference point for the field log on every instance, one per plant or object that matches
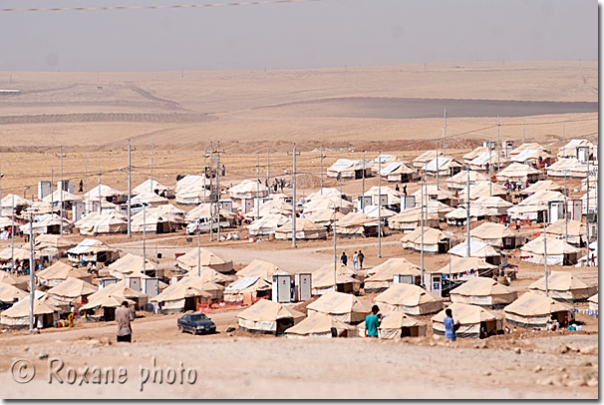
(372, 321)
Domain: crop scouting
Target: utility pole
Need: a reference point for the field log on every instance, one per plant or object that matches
(490, 168)
(437, 167)
(61, 193)
(335, 253)
(257, 186)
(523, 124)
(100, 199)
(52, 180)
(205, 171)
(421, 257)
(211, 198)
(144, 236)
(218, 152)
(294, 199)
(587, 195)
(12, 236)
(363, 195)
(498, 146)
(545, 259)
(468, 247)
(564, 139)
(268, 170)
(379, 206)
(32, 266)
(566, 211)
(321, 163)
(444, 137)
(152, 150)
(198, 252)
(129, 190)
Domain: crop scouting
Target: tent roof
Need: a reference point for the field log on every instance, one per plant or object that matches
(399, 320)
(269, 311)
(118, 289)
(7, 201)
(575, 228)
(462, 177)
(90, 246)
(459, 265)
(593, 298)
(324, 215)
(56, 196)
(21, 308)
(477, 249)
(105, 191)
(532, 304)
(73, 288)
(207, 258)
(387, 270)
(180, 291)
(323, 277)
(555, 246)
(130, 263)
(8, 278)
(481, 286)
(560, 281)
(302, 225)
(492, 202)
(406, 294)
(466, 314)
(475, 212)
(517, 170)
(355, 219)
(149, 186)
(491, 230)
(260, 268)
(541, 185)
(372, 211)
(317, 323)
(61, 271)
(431, 236)
(9, 292)
(336, 303)
(108, 301)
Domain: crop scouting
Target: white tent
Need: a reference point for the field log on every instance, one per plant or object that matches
(472, 318)
(268, 317)
(558, 251)
(248, 189)
(348, 169)
(460, 180)
(107, 222)
(266, 225)
(344, 307)
(564, 286)
(534, 310)
(320, 325)
(477, 249)
(410, 299)
(518, 172)
(435, 241)
(305, 230)
(382, 276)
(483, 291)
(496, 235)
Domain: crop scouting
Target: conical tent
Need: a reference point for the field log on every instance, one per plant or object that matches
(9, 293)
(18, 314)
(260, 268)
(72, 289)
(534, 310)
(268, 317)
(564, 286)
(472, 319)
(305, 229)
(323, 279)
(432, 240)
(574, 229)
(129, 264)
(558, 251)
(207, 258)
(383, 274)
(483, 291)
(59, 272)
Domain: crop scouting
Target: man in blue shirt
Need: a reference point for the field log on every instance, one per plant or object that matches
(450, 325)
(372, 322)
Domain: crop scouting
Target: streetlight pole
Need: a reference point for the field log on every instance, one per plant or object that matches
(321, 164)
(257, 186)
(32, 265)
(468, 247)
(144, 235)
(61, 193)
(421, 257)
(498, 146)
(363, 192)
(198, 252)
(12, 236)
(294, 199)
(268, 169)
(152, 150)
(545, 259)
(444, 137)
(205, 172)
(335, 253)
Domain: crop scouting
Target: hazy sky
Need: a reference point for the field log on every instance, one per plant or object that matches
(293, 35)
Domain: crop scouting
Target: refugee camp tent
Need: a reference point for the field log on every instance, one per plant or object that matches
(271, 207)
(459, 216)
(477, 249)
(541, 185)
(205, 211)
(20, 254)
(104, 308)
(47, 224)
(59, 272)
(593, 302)
(574, 229)
(17, 316)
(13, 200)
(382, 275)
(518, 172)
(9, 293)
(50, 245)
(324, 217)
(248, 189)
(488, 158)
(460, 180)
(189, 181)
(153, 186)
(497, 235)
(570, 168)
(433, 194)
(396, 325)
(525, 146)
(130, 264)
(260, 268)
(189, 261)
(161, 219)
(532, 156)
(347, 281)
(483, 189)
(152, 199)
(20, 283)
(344, 307)
(472, 318)
(465, 267)
(349, 169)
(558, 251)
(592, 204)
(385, 160)
(266, 225)
(479, 150)
(435, 241)
(180, 297)
(99, 223)
(372, 212)
(256, 287)
(55, 197)
(411, 218)
(327, 203)
(535, 207)
(564, 286)
(569, 150)
(425, 157)
(392, 197)
(119, 289)
(410, 299)
(446, 166)
(101, 190)
(535, 310)
(305, 230)
(498, 204)
(72, 289)
(324, 192)
(484, 292)
(356, 224)
(204, 284)
(93, 250)
(268, 317)
(398, 172)
(319, 325)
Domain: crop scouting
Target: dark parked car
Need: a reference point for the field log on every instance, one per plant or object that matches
(197, 323)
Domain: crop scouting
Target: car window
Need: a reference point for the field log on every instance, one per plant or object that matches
(198, 317)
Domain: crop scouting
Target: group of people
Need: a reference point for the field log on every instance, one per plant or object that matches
(514, 186)
(277, 184)
(357, 259)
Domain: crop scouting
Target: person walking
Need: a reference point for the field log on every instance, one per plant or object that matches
(405, 190)
(372, 322)
(344, 259)
(355, 260)
(223, 171)
(361, 258)
(450, 326)
(123, 317)
(81, 189)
